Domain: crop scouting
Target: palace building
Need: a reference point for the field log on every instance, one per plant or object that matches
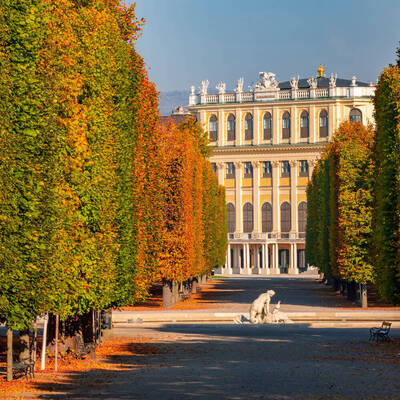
(265, 144)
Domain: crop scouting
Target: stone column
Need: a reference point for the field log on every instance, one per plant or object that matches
(276, 126)
(248, 265)
(293, 264)
(293, 195)
(296, 269)
(313, 127)
(221, 173)
(275, 196)
(221, 128)
(256, 258)
(256, 127)
(256, 195)
(229, 261)
(331, 119)
(238, 196)
(239, 128)
(267, 269)
(294, 126)
(263, 256)
(245, 261)
(277, 270)
(237, 259)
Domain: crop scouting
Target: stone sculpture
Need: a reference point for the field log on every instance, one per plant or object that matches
(221, 87)
(259, 309)
(260, 312)
(266, 80)
(204, 87)
(332, 80)
(312, 82)
(239, 85)
(294, 83)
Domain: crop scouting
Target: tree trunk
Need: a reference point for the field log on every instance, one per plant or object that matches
(34, 346)
(43, 364)
(56, 344)
(24, 355)
(364, 295)
(168, 300)
(9, 354)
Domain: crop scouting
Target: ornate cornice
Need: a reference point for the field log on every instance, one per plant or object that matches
(268, 149)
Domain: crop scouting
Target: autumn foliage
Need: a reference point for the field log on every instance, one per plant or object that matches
(339, 223)
(386, 214)
(98, 199)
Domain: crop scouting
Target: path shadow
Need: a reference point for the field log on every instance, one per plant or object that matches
(236, 362)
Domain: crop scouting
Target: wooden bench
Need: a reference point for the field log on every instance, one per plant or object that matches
(24, 367)
(380, 333)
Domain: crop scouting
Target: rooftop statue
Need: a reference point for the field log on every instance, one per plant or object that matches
(221, 87)
(294, 83)
(266, 80)
(332, 80)
(312, 82)
(239, 85)
(204, 87)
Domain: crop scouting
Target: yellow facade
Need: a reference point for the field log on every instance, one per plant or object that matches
(314, 109)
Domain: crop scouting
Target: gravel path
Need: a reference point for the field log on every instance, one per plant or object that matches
(245, 362)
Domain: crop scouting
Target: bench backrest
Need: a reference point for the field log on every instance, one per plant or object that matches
(386, 325)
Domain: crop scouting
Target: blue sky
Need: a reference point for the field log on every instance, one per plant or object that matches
(185, 41)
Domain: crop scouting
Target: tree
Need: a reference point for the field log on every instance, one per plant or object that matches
(386, 155)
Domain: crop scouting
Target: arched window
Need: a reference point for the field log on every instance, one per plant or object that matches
(266, 216)
(231, 217)
(231, 127)
(302, 216)
(304, 131)
(213, 128)
(285, 125)
(267, 125)
(323, 124)
(248, 127)
(286, 221)
(355, 115)
(248, 217)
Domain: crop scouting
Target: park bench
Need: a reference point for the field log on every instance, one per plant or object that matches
(24, 367)
(82, 348)
(380, 333)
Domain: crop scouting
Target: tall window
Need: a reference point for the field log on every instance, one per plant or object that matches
(285, 169)
(266, 169)
(214, 167)
(303, 168)
(302, 216)
(355, 115)
(285, 125)
(266, 216)
(231, 131)
(213, 128)
(323, 124)
(248, 170)
(248, 217)
(231, 217)
(286, 222)
(304, 129)
(230, 170)
(248, 127)
(267, 125)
